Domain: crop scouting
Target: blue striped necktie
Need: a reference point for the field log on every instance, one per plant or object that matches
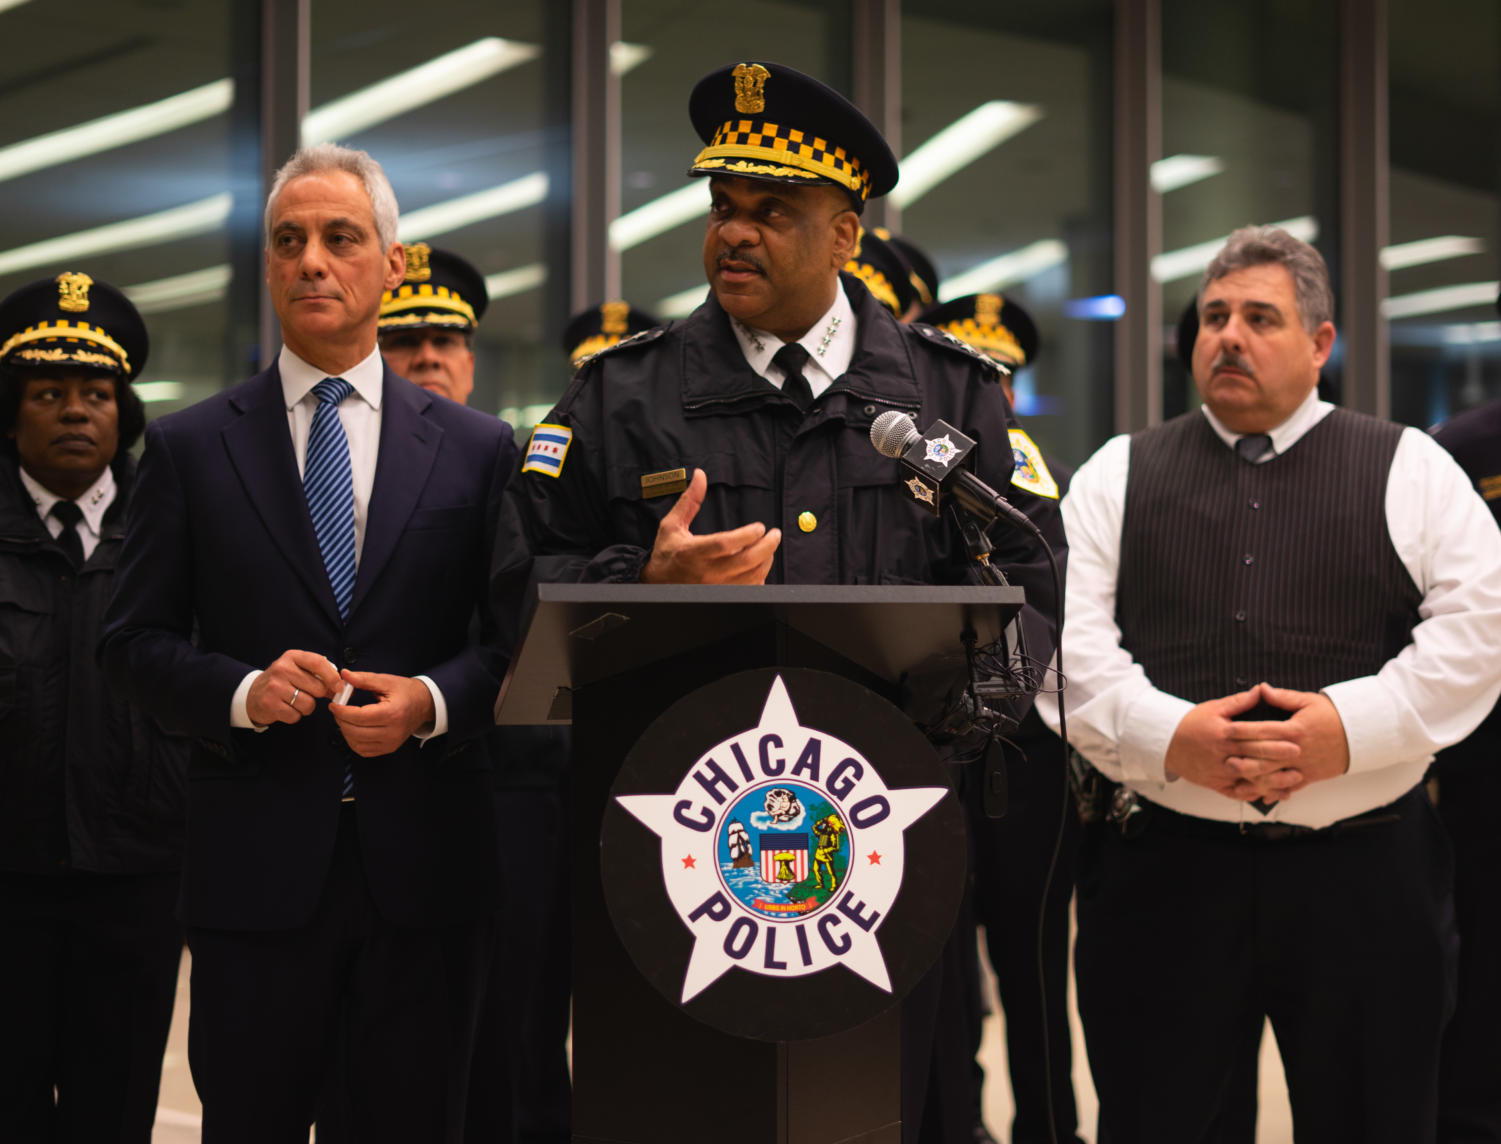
(329, 486)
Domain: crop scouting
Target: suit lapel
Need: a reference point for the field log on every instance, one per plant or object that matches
(408, 447)
(260, 448)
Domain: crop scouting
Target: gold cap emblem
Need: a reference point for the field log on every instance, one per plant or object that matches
(988, 307)
(750, 88)
(613, 317)
(73, 292)
(417, 268)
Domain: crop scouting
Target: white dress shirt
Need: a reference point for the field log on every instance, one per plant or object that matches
(1431, 694)
(830, 343)
(361, 417)
(94, 504)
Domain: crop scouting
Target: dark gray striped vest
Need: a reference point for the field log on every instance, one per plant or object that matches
(1232, 573)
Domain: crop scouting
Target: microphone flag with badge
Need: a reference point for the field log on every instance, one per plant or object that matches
(940, 466)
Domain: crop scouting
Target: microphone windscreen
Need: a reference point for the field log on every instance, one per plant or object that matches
(893, 432)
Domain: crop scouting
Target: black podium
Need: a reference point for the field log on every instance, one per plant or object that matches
(612, 659)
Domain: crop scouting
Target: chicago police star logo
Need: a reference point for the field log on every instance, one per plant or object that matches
(782, 851)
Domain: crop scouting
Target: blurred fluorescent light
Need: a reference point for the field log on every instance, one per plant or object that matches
(1405, 254)
(1104, 308)
(1008, 269)
(1472, 333)
(527, 191)
(624, 56)
(959, 144)
(660, 215)
(179, 222)
(181, 290)
(518, 281)
(6, 5)
(524, 416)
(1444, 298)
(149, 391)
(416, 87)
(1172, 265)
(1180, 170)
(683, 303)
(116, 130)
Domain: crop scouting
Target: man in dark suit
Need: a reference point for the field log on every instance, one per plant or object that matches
(325, 514)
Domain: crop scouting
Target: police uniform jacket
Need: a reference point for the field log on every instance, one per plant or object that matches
(683, 397)
(87, 782)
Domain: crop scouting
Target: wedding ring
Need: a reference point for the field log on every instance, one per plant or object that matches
(292, 702)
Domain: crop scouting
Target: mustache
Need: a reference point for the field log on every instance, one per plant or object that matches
(733, 256)
(1229, 359)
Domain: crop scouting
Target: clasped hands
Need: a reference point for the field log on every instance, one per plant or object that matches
(289, 690)
(1260, 760)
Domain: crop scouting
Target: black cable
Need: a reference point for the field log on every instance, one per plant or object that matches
(1005, 509)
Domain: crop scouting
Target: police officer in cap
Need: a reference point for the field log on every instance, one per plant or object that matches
(1012, 854)
(885, 273)
(600, 327)
(426, 328)
(91, 792)
(1469, 790)
(756, 465)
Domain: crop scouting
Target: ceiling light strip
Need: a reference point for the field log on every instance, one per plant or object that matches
(1172, 265)
(959, 144)
(1006, 270)
(179, 222)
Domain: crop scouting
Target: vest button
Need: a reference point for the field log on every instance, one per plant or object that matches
(1240, 681)
(1248, 558)
(1254, 503)
(807, 521)
(1240, 616)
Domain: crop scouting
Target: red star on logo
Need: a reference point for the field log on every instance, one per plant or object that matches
(875, 857)
(689, 863)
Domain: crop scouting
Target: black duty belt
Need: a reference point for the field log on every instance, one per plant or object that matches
(1133, 815)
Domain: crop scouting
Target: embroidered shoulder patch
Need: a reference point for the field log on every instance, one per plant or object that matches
(1031, 472)
(1490, 487)
(547, 449)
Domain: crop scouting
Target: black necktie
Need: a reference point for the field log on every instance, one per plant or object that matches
(1254, 446)
(70, 514)
(791, 358)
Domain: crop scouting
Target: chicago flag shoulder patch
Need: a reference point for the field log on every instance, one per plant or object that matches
(547, 449)
(1031, 472)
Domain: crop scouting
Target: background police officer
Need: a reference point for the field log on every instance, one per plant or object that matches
(91, 792)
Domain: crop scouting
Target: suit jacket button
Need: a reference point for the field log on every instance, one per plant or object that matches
(350, 656)
(336, 741)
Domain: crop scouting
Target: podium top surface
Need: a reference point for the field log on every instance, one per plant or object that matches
(577, 634)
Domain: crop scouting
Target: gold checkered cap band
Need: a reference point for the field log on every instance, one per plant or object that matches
(990, 337)
(789, 152)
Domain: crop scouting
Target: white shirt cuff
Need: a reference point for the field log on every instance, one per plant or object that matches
(1373, 723)
(239, 705)
(1150, 723)
(440, 712)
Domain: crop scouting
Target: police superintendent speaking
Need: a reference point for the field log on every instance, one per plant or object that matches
(733, 446)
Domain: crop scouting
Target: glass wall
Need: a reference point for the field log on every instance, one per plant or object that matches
(452, 108)
(1006, 129)
(1445, 252)
(1249, 135)
(114, 145)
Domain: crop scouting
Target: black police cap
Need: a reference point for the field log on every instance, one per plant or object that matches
(884, 272)
(1188, 333)
(72, 321)
(924, 273)
(440, 290)
(991, 323)
(602, 326)
(767, 121)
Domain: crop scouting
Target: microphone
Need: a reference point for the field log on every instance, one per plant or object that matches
(940, 462)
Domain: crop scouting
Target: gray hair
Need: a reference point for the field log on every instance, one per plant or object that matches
(1259, 245)
(322, 157)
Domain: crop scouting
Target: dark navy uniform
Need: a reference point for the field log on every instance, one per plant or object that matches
(1469, 790)
(683, 397)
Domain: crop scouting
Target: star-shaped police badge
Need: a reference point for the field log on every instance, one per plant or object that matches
(941, 450)
(788, 817)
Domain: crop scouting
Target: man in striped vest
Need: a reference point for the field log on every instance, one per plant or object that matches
(1278, 610)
